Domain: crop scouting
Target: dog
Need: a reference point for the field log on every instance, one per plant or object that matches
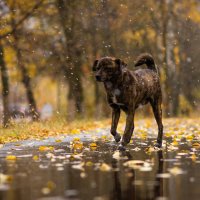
(127, 90)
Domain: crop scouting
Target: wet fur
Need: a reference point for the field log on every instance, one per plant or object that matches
(127, 89)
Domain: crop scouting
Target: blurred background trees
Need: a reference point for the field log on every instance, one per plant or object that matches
(47, 48)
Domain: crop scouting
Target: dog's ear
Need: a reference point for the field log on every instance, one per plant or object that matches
(121, 64)
(94, 67)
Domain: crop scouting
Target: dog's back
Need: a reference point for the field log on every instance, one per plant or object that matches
(147, 80)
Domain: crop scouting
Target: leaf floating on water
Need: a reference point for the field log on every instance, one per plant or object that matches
(93, 146)
(36, 158)
(172, 148)
(76, 139)
(136, 149)
(189, 137)
(11, 157)
(104, 137)
(79, 166)
(196, 145)
(135, 164)
(174, 143)
(118, 155)
(193, 157)
(83, 175)
(75, 131)
(163, 175)
(46, 148)
(45, 190)
(89, 163)
(150, 149)
(5, 178)
(176, 171)
(51, 185)
(105, 167)
(77, 146)
(146, 168)
(58, 140)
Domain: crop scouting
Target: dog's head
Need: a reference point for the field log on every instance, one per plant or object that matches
(108, 68)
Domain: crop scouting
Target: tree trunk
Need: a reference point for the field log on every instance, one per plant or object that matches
(5, 88)
(172, 65)
(72, 69)
(164, 41)
(168, 38)
(26, 80)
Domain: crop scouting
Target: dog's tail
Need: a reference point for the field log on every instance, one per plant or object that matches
(147, 59)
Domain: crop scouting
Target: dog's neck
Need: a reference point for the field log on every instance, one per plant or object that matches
(115, 82)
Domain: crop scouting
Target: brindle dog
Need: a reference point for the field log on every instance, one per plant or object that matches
(127, 89)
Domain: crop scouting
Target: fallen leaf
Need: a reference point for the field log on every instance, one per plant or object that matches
(93, 146)
(163, 175)
(89, 163)
(11, 157)
(135, 164)
(176, 171)
(193, 157)
(36, 158)
(105, 167)
(46, 148)
(58, 141)
(77, 146)
(4, 178)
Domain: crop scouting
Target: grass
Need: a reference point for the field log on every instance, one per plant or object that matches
(40, 130)
(173, 127)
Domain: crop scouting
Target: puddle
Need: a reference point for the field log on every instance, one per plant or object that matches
(90, 167)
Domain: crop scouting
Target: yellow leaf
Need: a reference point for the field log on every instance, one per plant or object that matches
(58, 141)
(11, 157)
(76, 139)
(93, 146)
(75, 131)
(45, 148)
(35, 158)
(193, 157)
(89, 163)
(77, 146)
(175, 143)
(51, 185)
(105, 167)
(196, 145)
(189, 137)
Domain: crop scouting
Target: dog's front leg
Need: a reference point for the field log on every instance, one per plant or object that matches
(115, 120)
(128, 129)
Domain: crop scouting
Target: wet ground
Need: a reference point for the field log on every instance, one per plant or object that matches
(88, 166)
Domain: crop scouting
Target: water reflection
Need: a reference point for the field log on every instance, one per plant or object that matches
(133, 188)
(30, 178)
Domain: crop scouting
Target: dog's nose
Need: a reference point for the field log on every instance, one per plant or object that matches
(98, 78)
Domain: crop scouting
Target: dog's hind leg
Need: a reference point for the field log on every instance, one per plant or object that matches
(128, 129)
(156, 106)
(115, 120)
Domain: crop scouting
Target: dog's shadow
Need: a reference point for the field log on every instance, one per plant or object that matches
(131, 191)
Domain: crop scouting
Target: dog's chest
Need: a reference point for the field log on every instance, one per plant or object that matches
(116, 97)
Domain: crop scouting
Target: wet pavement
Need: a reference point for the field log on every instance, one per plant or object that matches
(88, 166)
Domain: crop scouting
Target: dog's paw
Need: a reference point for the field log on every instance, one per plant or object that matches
(158, 145)
(117, 137)
(121, 147)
